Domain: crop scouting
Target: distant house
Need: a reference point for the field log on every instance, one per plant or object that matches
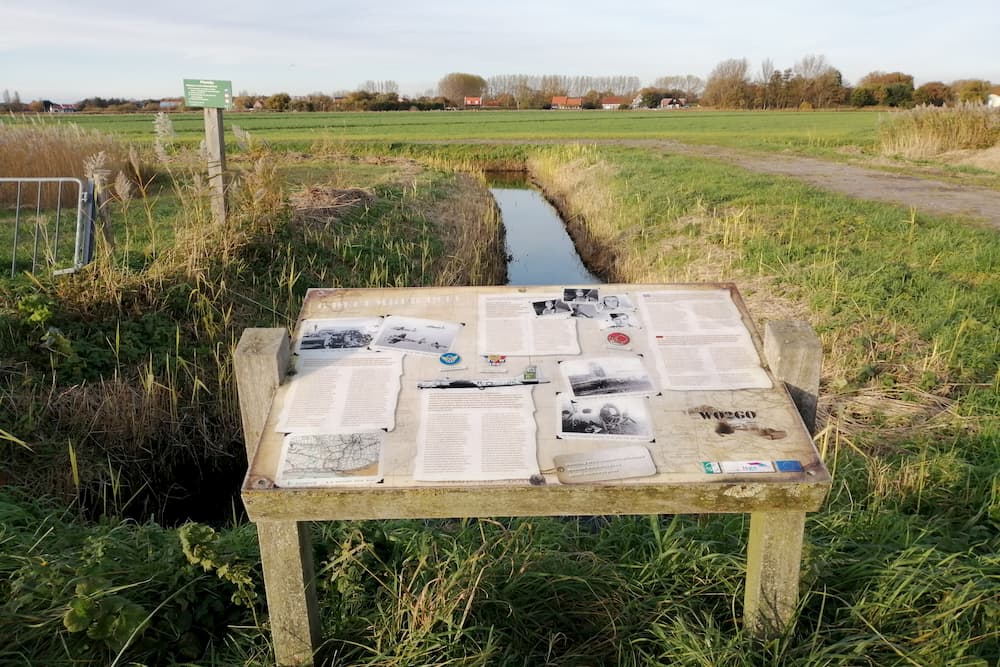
(673, 103)
(492, 104)
(993, 101)
(170, 104)
(612, 102)
(53, 107)
(637, 103)
(562, 102)
(473, 102)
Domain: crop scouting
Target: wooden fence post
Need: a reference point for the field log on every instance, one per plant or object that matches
(261, 361)
(215, 145)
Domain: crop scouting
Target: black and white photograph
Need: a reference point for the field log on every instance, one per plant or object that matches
(615, 303)
(580, 295)
(619, 320)
(335, 335)
(585, 311)
(550, 307)
(411, 334)
(610, 417)
(607, 376)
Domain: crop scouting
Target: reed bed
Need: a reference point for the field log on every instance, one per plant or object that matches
(35, 149)
(926, 131)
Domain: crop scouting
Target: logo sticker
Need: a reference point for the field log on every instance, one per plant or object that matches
(618, 339)
(449, 358)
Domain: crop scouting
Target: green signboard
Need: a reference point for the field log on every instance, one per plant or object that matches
(208, 93)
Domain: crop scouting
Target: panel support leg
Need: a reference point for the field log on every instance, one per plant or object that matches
(774, 561)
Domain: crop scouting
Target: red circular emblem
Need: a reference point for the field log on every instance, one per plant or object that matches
(619, 338)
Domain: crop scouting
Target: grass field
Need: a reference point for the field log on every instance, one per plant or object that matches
(775, 131)
(120, 381)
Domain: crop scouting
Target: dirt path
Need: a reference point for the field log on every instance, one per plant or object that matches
(923, 194)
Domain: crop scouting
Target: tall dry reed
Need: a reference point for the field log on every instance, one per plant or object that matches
(929, 130)
(35, 149)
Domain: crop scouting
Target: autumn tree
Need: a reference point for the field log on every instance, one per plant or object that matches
(971, 90)
(818, 83)
(728, 85)
(892, 89)
(651, 96)
(278, 102)
(934, 93)
(459, 85)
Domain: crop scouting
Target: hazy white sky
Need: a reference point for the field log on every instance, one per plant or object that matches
(66, 50)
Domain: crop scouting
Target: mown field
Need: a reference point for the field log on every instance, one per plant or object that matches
(119, 410)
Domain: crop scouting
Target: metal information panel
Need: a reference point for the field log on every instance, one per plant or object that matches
(208, 93)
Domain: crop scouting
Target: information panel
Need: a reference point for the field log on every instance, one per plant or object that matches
(208, 93)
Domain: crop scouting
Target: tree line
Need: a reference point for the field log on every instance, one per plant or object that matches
(813, 83)
(810, 83)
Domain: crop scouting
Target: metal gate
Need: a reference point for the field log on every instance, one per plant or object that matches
(39, 220)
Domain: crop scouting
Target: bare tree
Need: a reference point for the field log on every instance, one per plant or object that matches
(811, 67)
(379, 87)
(728, 86)
(459, 85)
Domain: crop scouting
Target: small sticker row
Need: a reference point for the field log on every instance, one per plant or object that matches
(721, 467)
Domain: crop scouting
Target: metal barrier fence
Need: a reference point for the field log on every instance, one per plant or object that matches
(34, 215)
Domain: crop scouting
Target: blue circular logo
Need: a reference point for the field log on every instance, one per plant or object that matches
(450, 358)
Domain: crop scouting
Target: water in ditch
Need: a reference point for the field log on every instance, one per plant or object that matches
(539, 250)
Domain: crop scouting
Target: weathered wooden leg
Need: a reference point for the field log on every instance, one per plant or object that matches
(289, 579)
(796, 358)
(774, 560)
(261, 361)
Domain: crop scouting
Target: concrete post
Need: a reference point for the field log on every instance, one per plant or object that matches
(796, 358)
(261, 361)
(774, 550)
(774, 561)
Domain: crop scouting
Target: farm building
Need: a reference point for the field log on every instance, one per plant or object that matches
(673, 103)
(473, 102)
(563, 102)
(612, 102)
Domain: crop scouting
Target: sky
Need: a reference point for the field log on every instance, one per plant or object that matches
(66, 51)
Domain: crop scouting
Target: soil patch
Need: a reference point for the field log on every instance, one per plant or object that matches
(323, 205)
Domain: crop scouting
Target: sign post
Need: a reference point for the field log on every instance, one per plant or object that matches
(213, 96)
